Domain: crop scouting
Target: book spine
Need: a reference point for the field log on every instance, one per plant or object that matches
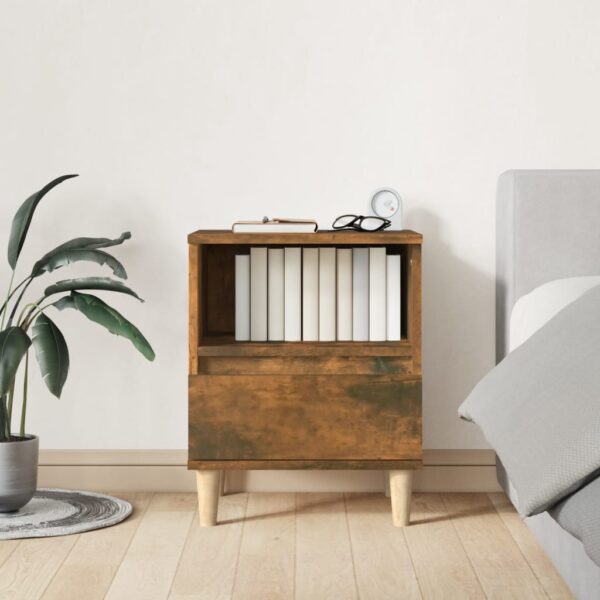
(242, 297)
(258, 294)
(344, 294)
(360, 294)
(275, 287)
(292, 306)
(310, 294)
(327, 294)
(377, 295)
(393, 297)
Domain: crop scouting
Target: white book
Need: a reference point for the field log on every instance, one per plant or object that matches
(377, 295)
(344, 294)
(360, 294)
(258, 294)
(310, 294)
(327, 294)
(393, 297)
(242, 297)
(292, 307)
(275, 294)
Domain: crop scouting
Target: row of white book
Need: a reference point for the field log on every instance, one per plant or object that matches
(317, 294)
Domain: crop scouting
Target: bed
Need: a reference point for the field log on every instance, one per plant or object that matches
(548, 228)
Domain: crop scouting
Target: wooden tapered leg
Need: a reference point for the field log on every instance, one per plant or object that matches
(401, 492)
(208, 497)
(222, 483)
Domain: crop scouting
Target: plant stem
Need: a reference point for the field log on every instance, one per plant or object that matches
(24, 407)
(18, 301)
(11, 294)
(21, 320)
(12, 277)
(33, 314)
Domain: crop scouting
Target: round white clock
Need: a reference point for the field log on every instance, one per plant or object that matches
(387, 203)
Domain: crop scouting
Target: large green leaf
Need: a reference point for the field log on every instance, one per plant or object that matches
(52, 353)
(66, 257)
(90, 283)
(22, 220)
(98, 311)
(14, 343)
(82, 243)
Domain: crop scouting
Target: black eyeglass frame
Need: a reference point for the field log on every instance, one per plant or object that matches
(356, 223)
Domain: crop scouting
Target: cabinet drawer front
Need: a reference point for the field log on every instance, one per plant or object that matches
(310, 417)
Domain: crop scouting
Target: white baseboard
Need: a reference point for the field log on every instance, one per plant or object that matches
(166, 471)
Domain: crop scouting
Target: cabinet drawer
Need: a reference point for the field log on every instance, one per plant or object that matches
(304, 417)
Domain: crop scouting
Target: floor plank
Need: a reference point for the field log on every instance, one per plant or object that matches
(324, 566)
(500, 567)
(28, 570)
(201, 579)
(94, 559)
(7, 547)
(442, 566)
(381, 558)
(266, 563)
(151, 561)
(540, 564)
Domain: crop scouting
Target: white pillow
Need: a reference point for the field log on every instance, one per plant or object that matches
(535, 309)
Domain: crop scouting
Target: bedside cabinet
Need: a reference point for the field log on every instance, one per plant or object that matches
(300, 405)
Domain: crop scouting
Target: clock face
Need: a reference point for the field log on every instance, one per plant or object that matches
(385, 202)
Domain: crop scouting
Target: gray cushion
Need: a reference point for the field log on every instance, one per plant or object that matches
(540, 407)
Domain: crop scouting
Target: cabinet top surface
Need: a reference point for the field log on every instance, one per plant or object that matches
(225, 236)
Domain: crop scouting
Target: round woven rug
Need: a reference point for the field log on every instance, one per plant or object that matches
(54, 512)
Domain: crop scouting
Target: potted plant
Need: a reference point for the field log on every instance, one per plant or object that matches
(27, 325)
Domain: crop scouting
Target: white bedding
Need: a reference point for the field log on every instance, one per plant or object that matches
(535, 309)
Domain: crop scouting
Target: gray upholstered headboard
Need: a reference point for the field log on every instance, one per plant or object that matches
(547, 227)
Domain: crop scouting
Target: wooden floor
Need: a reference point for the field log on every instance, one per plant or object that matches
(304, 546)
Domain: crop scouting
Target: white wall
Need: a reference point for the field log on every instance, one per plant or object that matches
(191, 114)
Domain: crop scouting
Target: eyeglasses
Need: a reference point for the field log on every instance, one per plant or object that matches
(360, 223)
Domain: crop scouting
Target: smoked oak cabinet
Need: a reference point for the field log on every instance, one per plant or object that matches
(299, 405)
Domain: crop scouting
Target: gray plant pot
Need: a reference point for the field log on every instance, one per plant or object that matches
(18, 472)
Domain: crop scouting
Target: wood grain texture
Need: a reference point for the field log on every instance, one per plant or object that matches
(267, 553)
(29, 569)
(381, 558)
(300, 543)
(401, 494)
(212, 577)
(414, 304)
(259, 465)
(300, 404)
(95, 557)
(7, 547)
(338, 238)
(439, 559)
(304, 418)
(226, 346)
(148, 568)
(194, 291)
(491, 548)
(207, 483)
(540, 564)
(320, 526)
(306, 365)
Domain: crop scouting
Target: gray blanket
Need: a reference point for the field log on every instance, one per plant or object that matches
(579, 514)
(540, 407)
